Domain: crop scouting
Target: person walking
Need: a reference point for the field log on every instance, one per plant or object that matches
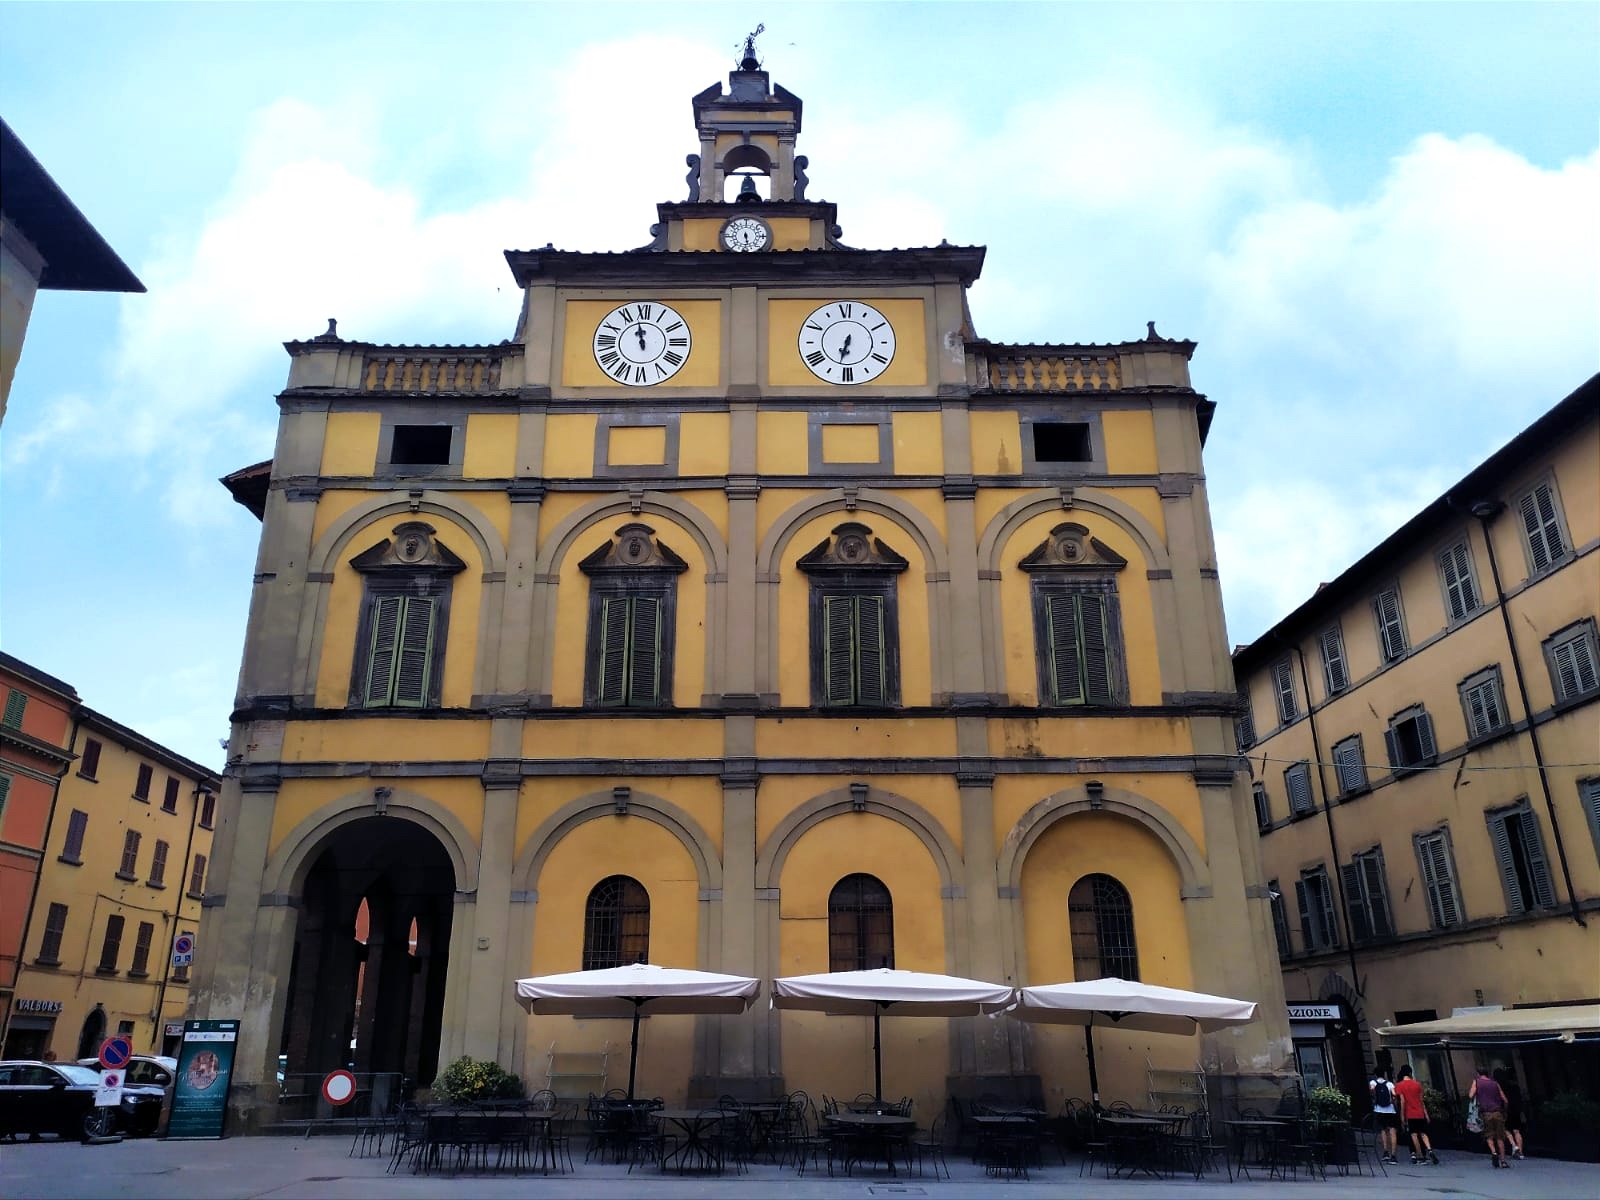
(1415, 1114)
(1384, 1114)
(1508, 1085)
(1492, 1112)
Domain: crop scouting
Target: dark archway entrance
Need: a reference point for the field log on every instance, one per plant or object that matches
(92, 1033)
(366, 987)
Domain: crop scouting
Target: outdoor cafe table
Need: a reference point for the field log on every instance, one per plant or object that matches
(998, 1128)
(698, 1126)
(1135, 1141)
(763, 1116)
(1253, 1139)
(885, 1130)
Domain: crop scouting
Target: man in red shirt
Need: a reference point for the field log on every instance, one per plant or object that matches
(1415, 1114)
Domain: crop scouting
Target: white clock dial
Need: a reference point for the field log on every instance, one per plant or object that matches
(746, 235)
(847, 342)
(641, 343)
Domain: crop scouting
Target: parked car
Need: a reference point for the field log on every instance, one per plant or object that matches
(144, 1072)
(58, 1098)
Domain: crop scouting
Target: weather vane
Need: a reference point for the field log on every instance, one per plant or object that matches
(751, 63)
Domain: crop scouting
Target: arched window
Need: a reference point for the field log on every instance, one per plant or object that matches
(616, 924)
(860, 924)
(1101, 918)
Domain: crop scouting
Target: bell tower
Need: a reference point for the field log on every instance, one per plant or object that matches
(748, 131)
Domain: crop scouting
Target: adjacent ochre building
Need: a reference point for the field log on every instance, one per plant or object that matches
(746, 611)
(1424, 738)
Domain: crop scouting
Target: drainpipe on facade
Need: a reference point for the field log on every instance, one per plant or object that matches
(1327, 816)
(177, 918)
(1486, 511)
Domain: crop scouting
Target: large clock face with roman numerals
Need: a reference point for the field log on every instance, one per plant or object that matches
(846, 341)
(641, 343)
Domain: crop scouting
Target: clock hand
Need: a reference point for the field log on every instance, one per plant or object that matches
(844, 347)
(639, 329)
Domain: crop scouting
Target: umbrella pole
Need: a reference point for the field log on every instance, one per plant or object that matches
(1094, 1076)
(877, 1053)
(633, 1051)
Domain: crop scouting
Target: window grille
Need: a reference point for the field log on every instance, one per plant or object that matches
(1100, 917)
(616, 926)
(860, 924)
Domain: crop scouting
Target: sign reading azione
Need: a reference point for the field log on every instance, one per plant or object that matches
(1313, 1012)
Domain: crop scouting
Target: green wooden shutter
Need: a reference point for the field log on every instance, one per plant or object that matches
(383, 651)
(1544, 894)
(1376, 889)
(1425, 736)
(1307, 932)
(1500, 839)
(414, 660)
(611, 652)
(838, 649)
(1066, 677)
(871, 685)
(644, 650)
(5, 790)
(1538, 511)
(1390, 625)
(16, 704)
(1330, 916)
(1355, 902)
(1096, 643)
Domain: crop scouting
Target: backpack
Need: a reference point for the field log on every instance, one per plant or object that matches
(1382, 1094)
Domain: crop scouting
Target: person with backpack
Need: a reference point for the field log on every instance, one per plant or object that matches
(1415, 1114)
(1384, 1114)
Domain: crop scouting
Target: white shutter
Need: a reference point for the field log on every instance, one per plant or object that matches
(1460, 593)
(1390, 627)
(1297, 779)
(1539, 521)
(1349, 765)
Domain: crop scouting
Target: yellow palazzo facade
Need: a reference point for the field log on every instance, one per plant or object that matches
(744, 611)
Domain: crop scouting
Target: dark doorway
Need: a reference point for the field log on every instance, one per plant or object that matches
(92, 1033)
(366, 985)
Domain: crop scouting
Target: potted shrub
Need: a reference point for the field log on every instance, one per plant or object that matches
(470, 1081)
(1328, 1109)
(1569, 1125)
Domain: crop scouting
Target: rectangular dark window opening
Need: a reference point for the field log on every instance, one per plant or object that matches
(141, 787)
(89, 764)
(112, 946)
(169, 800)
(55, 925)
(72, 848)
(421, 445)
(1062, 442)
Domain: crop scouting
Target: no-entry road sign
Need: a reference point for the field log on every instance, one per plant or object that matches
(339, 1087)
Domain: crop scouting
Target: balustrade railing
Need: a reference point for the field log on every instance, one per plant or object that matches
(1047, 371)
(469, 369)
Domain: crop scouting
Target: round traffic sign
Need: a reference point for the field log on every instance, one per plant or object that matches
(183, 944)
(339, 1087)
(115, 1053)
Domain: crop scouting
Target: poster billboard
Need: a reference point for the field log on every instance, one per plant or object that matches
(205, 1067)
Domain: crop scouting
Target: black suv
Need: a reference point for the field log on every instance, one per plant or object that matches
(58, 1098)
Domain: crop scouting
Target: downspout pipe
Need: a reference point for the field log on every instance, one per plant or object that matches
(177, 916)
(1327, 816)
(1486, 511)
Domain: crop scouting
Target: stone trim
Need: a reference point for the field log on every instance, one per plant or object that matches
(772, 855)
(702, 851)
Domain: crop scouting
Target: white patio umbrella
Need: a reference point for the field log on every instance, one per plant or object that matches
(1128, 1005)
(642, 989)
(886, 990)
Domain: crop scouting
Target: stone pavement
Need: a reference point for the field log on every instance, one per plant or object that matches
(320, 1169)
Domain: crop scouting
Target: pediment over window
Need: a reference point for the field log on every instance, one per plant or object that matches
(413, 550)
(633, 548)
(851, 548)
(1071, 549)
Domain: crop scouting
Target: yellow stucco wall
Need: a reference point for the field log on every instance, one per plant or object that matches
(491, 451)
(1130, 442)
(636, 445)
(1171, 792)
(703, 367)
(996, 444)
(350, 446)
(781, 443)
(918, 444)
(569, 445)
(703, 443)
(785, 367)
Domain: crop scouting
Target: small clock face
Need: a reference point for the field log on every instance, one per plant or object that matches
(846, 341)
(641, 343)
(746, 235)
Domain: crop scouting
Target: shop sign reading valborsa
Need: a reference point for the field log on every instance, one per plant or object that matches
(38, 1006)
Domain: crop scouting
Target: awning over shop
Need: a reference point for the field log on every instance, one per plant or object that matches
(1507, 1027)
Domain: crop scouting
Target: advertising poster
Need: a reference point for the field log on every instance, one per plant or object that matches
(205, 1066)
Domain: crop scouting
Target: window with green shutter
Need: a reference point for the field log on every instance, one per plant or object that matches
(855, 651)
(1078, 664)
(16, 705)
(1519, 853)
(1077, 620)
(1573, 661)
(1437, 861)
(1409, 740)
(633, 583)
(1366, 896)
(400, 643)
(1539, 513)
(1460, 588)
(1319, 923)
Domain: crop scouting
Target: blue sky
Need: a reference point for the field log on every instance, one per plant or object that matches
(1378, 221)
